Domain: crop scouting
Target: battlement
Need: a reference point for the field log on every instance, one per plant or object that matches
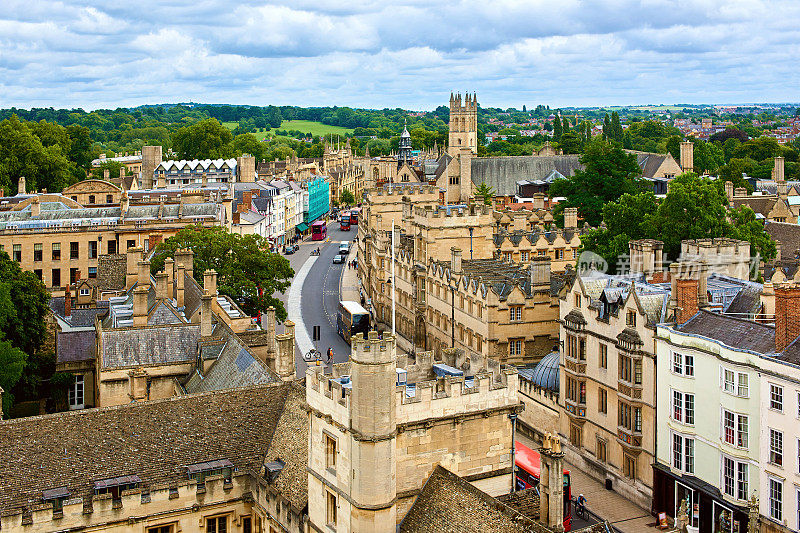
(716, 247)
(79, 512)
(453, 211)
(410, 189)
(470, 102)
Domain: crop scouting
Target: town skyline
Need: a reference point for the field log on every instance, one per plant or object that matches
(97, 55)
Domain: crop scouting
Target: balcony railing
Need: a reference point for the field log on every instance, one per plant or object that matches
(575, 409)
(629, 438)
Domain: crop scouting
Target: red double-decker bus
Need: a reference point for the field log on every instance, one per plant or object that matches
(344, 221)
(319, 230)
(528, 471)
(354, 216)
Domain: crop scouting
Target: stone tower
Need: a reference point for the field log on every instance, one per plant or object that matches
(463, 124)
(246, 168)
(151, 158)
(404, 156)
(373, 431)
(687, 157)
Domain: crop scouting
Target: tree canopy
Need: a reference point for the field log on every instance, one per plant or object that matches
(693, 208)
(207, 139)
(247, 271)
(486, 192)
(609, 172)
(347, 198)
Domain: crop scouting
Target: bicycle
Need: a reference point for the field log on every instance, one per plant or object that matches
(313, 356)
(580, 507)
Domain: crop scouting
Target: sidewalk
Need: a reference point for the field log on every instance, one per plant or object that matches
(349, 284)
(623, 514)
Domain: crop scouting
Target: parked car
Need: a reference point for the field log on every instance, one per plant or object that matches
(338, 258)
(290, 249)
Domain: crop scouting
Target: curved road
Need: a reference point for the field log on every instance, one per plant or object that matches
(318, 292)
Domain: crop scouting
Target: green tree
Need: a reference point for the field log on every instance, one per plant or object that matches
(693, 208)
(247, 143)
(674, 147)
(12, 364)
(207, 139)
(616, 127)
(23, 154)
(347, 198)
(609, 172)
(486, 192)
(557, 130)
(248, 272)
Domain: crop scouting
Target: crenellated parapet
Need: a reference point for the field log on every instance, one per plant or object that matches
(189, 497)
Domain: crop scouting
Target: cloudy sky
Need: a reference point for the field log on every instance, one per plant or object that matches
(402, 53)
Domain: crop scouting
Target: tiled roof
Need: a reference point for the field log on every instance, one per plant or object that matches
(786, 234)
(153, 440)
(154, 345)
(447, 503)
(734, 332)
(502, 173)
(235, 367)
(72, 346)
(760, 204)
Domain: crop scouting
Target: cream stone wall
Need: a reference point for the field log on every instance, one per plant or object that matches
(597, 425)
(114, 386)
(139, 509)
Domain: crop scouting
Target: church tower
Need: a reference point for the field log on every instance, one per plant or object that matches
(463, 123)
(405, 148)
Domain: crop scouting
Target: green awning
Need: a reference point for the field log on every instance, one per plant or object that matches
(301, 226)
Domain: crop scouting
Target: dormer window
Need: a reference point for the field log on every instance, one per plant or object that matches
(630, 318)
(200, 471)
(57, 496)
(116, 485)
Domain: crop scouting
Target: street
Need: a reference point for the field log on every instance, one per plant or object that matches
(313, 299)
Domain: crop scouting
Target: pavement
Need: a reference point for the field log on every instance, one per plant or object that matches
(623, 514)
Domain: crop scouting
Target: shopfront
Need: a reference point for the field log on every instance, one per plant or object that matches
(707, 510)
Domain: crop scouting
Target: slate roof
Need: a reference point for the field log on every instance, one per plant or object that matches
(154, 345)
(235, 367)
(448, 503)
(502, 173)
(73, 346)
(154, 440)
(649, 162)
(733, 332)
(786, 234)
(79, 318)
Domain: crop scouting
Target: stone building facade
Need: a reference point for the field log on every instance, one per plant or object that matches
(376, 437)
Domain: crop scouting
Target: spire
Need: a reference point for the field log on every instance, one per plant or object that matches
(366, 152)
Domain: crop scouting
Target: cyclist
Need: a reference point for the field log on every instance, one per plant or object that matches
(580, 505)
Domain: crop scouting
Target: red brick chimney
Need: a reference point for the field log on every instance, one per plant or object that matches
(787, 316)
(686, 299)
(67, 302)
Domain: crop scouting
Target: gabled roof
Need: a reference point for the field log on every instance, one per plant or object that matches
(235, 367)
(502, 173)
(447, 503)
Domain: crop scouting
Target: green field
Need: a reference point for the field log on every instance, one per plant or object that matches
(317, 129)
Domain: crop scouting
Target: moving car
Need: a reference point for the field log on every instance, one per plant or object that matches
(338, 258)
(344, 248)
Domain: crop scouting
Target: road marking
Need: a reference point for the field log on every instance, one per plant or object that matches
(295, 306)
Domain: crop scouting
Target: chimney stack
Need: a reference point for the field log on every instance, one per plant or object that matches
(540, 271)
(36, 207)
(787, 316)
(210, 282)
(206, 328)
(538, 200)
(272, 347)
(124, 203)
(729, 190)
(121, 172)
(161, 286)
(455, 260)
(180, 273)
(571, 218)
(686, 299)
(780, 172)
(133, 256)
(169, 268)
(140, 306)
(21, 185)
(144, 274)
(284, 360)
(67, 301)
(687, 156)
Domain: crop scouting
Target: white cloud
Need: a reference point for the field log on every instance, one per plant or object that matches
(407, 53)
